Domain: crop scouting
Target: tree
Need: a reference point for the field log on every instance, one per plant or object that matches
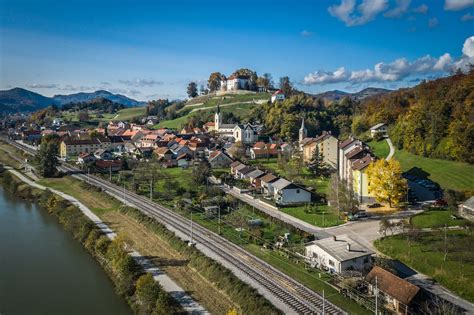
(386, 183)
(237, 151)
(147, 292)
(192, 89)
(214, 81)
(341, 195)
(266, 81)
(202, 90)
(47, 156)
(286, 86)
(201, 172)
(83, 116)
(317, 166)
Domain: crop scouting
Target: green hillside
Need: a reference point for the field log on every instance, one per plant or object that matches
(126, 113)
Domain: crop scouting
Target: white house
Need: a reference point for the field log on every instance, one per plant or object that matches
(287, 193)
(278, 96)
(57, 122)
(339, 254)
(380, 128)
(245, 134)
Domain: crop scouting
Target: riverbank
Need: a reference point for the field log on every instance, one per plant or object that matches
(124, 270)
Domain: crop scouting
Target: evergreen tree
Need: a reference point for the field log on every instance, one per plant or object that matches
(46, 157)
(192, 89)
(317, 166)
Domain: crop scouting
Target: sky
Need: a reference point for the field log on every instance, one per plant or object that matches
(153, 49)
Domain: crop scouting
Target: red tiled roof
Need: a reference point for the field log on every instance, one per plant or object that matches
(399, 289)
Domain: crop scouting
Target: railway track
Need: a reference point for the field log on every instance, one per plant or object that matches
(292, 294)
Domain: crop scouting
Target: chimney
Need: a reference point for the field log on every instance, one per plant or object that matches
(348, 247)
(334, 238)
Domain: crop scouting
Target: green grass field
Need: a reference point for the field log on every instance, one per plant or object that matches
(239, 110)
(426, 255)
(224, 99)
(449, 174)
(318, 215)
(126, 113)
(380, 148)
(436, 219)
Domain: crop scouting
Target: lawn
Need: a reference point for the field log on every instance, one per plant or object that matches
(225, 99)
(436, 219)
(126, 113)
(426, 255)
(318, 215)
(239, 110)
(381, 148)
(448, 174)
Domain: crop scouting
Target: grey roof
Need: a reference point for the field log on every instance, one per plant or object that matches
(240, 166)
(255, 174)
(246, 170)
(338, 248)
(469, 203)
(227, 126)
(377, 126)
(281, 183)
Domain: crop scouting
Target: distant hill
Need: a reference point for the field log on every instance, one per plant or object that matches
(22, 100)
(337, 95)
(19, 99)
(84, 97)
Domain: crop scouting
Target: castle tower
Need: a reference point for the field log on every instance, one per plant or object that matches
(303, 132)
(217, 118)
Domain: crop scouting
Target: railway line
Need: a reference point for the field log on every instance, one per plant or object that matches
(294, 296)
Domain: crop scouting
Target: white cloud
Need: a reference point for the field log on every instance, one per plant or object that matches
(306, 33)
(42, 86)
(456, 5)
(423, 9)
(383, 72)
(400, 9)
(433, 22)
(467, 17)
(367, 10)
(141, 82)
(397, 70)
(130, 92)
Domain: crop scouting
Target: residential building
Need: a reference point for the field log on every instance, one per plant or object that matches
(86, 158)
(380, 128)
(360, 180)
(466, 209)
(254, 177)
(395, 293)
(103, 154)
(75, 146)
(263, 150)
(266, 182)
(327, 145)
(108, 166)
(339, 254)
(345, 147)
(218, 159)
(278, 96)
(163, 153)
(287, 193)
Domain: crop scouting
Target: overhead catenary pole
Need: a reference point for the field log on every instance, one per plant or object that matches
(191, 242)
(324, 312)
(110, 172)
(219, 219)
(376, 297)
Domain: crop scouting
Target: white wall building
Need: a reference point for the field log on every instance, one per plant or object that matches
(235, 82)
(287, 193)
(278, 96)
(380, 128)
(339, 254)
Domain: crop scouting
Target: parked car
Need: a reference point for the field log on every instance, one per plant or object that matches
(374, 205)
(361, 215)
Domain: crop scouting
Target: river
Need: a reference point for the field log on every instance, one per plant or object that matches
(44, 270)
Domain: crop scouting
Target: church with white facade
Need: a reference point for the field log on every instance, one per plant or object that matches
(245, 133)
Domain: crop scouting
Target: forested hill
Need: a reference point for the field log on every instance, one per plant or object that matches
(433, 119)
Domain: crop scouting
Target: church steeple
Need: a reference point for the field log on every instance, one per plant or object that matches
(303, 132)
(217, 118)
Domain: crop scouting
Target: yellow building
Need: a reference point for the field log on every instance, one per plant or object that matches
(360, 180)
(73, 147)
(327, 145)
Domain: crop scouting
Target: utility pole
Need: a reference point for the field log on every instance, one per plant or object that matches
(219, 220)
(376, 297)
(323, 304)
(110, 172)
(151, 189)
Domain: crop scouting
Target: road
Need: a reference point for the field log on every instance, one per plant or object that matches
(392, 149)
(284, 292)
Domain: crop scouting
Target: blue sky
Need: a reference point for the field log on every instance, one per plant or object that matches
(152, 49)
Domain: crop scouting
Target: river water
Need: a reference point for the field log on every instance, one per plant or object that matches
(44, 270)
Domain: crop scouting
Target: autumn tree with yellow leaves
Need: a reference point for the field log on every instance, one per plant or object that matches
(386, 183)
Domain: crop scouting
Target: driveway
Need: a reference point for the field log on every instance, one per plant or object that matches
(392, 149)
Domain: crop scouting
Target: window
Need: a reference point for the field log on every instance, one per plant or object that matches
(331, 263)
(297, 191)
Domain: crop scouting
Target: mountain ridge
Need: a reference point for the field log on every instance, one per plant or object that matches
(22, 100)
